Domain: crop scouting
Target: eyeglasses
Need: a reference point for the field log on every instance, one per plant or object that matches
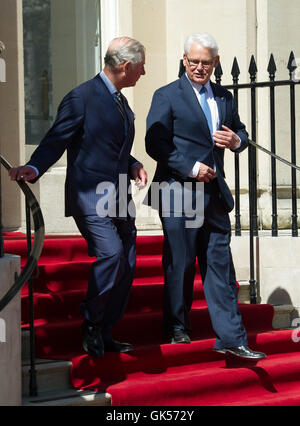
(193, 63)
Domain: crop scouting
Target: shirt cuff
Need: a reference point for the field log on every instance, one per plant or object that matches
(34, 168)
(137, 162)
(195, 170)
(237, 147)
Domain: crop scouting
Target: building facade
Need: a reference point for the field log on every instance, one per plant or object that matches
(52, 46)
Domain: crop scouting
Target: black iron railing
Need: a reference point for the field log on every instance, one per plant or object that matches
(272, 84)
(33, 253)
(254, 86)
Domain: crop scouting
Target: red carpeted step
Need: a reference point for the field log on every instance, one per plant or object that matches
(60, 275)
(14, 235)
(287, 396)
(61, 248)
(171, 370)
(154, 373)
(209, 384)
(148, 296)
(65, 303)
(62, 335)
(149, 245)
(72, 247)
(152, 359)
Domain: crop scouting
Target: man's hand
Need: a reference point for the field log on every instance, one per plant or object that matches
(226, 138)
(139, 175)
(22, 173)
(206, 174)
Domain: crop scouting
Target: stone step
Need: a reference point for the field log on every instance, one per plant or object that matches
(53, 382)
(283, 316)
(50, 375)
(68, 398)
(244, 292)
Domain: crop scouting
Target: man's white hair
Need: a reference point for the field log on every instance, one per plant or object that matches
(204, 40)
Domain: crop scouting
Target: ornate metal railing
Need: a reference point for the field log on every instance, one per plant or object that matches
(34, 250)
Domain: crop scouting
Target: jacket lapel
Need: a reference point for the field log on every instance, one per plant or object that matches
(129, 113)
(221, 103)
(191, 99)
(106, 98)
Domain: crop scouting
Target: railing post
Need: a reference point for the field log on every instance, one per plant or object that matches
(291, 67)
(235, 72)
(252, 171)
(272, 71)
(252, 152)
(218, 73)
(33, 390)
(252, 183)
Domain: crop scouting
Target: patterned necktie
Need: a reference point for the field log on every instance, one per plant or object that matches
(206, 109)
(120, 103)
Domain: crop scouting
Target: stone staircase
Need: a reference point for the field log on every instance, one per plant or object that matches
(53, 383)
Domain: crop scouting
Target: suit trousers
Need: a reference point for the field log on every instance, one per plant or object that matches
(212, 248)
(113, 242)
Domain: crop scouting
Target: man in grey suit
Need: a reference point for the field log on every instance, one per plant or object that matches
(190, 124)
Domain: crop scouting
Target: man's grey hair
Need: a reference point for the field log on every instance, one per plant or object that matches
(204, 40)
(132, 51)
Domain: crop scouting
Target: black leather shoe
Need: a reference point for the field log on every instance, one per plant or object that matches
(114, 346)
(243, 352)
(92, 340)
(220, 351)
(179, 336)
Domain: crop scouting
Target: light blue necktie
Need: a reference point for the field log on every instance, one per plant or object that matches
(206, 109)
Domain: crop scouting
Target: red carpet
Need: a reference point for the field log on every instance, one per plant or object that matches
(155, 373)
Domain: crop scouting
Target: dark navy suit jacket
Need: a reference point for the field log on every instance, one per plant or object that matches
(90, 127)
(178, 135)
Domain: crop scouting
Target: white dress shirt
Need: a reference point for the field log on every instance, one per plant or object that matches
(214, 115)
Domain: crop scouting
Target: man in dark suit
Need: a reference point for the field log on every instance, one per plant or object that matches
(95, 125)
(190, 124)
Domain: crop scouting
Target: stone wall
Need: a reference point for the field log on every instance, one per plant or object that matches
(10, 336)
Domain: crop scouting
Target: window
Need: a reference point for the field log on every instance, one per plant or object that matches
(61, 50)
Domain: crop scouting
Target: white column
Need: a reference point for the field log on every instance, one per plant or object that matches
(12, 122)
(110, 22)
